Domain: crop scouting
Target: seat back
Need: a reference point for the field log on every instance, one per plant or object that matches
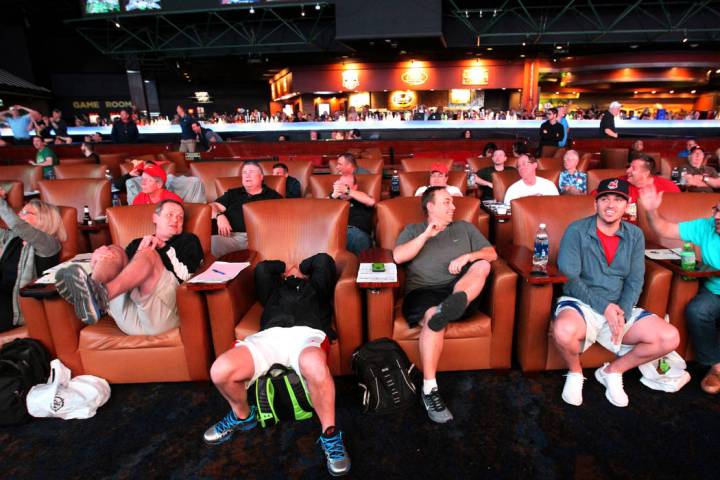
(27, 174)
(14, 193)
(678, 207)
(292, 230)
(134, 221)
(411, 181)
(76, 193)
(559, 152)
(373, 152)
(77, 160)
(178, 158)
(502, 180)
(113, 161)
(550, 163)
(423, 164)
(81, 170)
(145, 157)
(666, 165)
(372, 165)
(549, 151)
(127, 167)
(207, 172)
(597, 175)
(276, 182)
(555, 212)
(321, 185)
(394, 214)
(298, 169)
(70, 247)
(614, 157)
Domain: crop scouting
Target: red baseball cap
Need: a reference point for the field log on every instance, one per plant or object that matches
(155, 171)
(439, 167)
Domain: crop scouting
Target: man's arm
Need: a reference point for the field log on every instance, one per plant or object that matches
(114, 132)
(183, 258)
(406, 251)
(28, 110)
(321, 271)
(651, 200)
(268, 277)
(362, 197)
(712, 182)
(610, 133)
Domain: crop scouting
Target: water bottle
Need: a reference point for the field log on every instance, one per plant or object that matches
(116, 200)
(87, 219)
(470, 175)
(395, 184)
(675, 175)
(540, 254)
(687, 257)
(108, 175)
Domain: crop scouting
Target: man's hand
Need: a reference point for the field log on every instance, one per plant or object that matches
(102, 253)
(224, 227)
(650, 199)
(616, 321)
(150, 241)
(433, 229)
(293, 271)
(456, 265)
(695, 180)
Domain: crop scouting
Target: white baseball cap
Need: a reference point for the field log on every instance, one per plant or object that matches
(615, 105)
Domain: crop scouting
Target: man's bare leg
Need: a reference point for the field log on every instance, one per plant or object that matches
(652, 338)
(320, 384)
(569, 331)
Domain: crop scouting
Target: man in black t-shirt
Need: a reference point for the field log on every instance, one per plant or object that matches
(136, 285)
(293, 188)
(551, 131)
(607, 122)
(484, 175)
(124, 129)
(362, 206)
(228, 210)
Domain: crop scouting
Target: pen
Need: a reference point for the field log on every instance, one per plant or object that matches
(218, 271)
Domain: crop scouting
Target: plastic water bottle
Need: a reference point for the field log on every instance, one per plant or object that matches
(540, 253)
(108, 175)
(687, 257)
(116, 200)
(470, 175)
(675, 175)
(395, 184)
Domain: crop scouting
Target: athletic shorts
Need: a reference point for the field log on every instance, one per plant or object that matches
(597, 327)
(152, 314)
(281, 345)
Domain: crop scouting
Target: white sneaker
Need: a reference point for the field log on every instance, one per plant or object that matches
(613, 382)
(572, 391)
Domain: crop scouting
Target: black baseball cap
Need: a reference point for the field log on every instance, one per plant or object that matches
(617, 186)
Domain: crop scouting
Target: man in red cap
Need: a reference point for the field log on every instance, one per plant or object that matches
(604, 260)
(152, 184)
(439, 178)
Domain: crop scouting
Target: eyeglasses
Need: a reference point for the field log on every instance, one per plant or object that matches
(25, 211)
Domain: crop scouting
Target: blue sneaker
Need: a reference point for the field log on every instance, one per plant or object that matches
(338, 460)
(223, 431)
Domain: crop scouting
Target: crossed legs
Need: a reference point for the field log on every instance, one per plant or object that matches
(112, 269)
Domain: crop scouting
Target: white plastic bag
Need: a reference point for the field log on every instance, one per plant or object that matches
(66, 397)
(672, 380)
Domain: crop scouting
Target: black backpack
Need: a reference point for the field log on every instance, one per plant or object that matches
(24, 363)
(384, 372)
(281, 394)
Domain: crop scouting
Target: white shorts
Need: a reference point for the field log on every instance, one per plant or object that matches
(597, 327)
(152, 314)
(280, 345)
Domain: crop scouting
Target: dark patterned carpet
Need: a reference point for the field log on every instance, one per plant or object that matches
(506, 426)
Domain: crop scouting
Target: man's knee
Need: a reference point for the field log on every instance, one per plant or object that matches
(668, 338)
(481, 268)
(232, 366)
(566, 329)
(313, 365)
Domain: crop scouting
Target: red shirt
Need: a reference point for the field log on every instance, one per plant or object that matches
(661, 185)
(610, 245)
(143, 198)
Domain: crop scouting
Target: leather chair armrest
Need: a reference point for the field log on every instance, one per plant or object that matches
(348, 309)
(33, 311)
(194, 323)
(501, 308)
(533, 321)
(483, 223)
(656, 290)
(65, 329)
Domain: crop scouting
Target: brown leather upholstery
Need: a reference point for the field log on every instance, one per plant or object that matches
(127, 167)
(292, 230)
(502, 180)
(70, 247)
(81, 170)
(276, 182)
(76, 193)
(27, 174)
(298, 169)
(679, 207)
(77, 161)
(479, 342)
(550, 163)
(424, 164)
(145, 156)
(411, 181)
(322, 185)
(372, 165)
(666, 165)
(113, 161)
(549, 151)
(614, 157)
(15, 333)
(535, 348)
(181, 354)
(207, 172)
(559, 152)
(477, 163)
(177, 158)
(597, 175)
(373, 152)
(14, 190)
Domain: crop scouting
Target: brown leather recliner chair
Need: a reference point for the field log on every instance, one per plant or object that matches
(373, 152)
(77, 161)
(502, 180)
(484, 340)
(298, 169)
(597, 175)
(679, 207)
(179, 355)
(275, 182)
(614, 157)
(15, 194)
(112, 161)
(144, 156)
(291, 230)
(550, 151)
(667, 164)
(78, 192)
(177, 158)
(411, 181)
(207, 172)
(27, 174)
(422, 164)
(372, 165)
(80, 170)
(322, 185)
(535, 347)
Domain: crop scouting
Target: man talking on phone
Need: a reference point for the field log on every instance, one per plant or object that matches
(447, 266)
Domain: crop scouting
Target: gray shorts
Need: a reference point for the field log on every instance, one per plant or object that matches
(220, 245)
(152, 314)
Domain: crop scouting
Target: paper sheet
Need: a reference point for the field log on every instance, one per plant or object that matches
(82, 259)
(366, 275)
(663, 253)
(220, 272)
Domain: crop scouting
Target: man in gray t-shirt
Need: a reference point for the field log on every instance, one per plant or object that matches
(447, 265)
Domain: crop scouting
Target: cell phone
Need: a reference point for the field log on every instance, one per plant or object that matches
(378, 267)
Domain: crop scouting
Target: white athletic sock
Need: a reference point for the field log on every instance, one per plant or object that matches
(428, 385)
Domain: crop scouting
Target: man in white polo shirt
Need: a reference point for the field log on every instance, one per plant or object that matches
(529, 183)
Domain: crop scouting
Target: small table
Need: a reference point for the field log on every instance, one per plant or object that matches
(520, 259)
(702, 270)
(501, 230)
(234, 257)
(377, 255)
(378, 295)
(39, 290)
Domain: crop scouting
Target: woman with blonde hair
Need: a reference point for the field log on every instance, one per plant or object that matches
(29, 245)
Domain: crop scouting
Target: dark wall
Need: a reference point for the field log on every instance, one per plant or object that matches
(225, 97)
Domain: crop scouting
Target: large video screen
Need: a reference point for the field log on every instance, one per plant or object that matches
(142, 5)
(111, 7)
(93, 7)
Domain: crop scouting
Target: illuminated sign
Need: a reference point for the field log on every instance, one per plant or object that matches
(350, 79)
(202, 97)
(414, 76)
(403, 100)
(95, 104)
(460, 96)
(475, 76)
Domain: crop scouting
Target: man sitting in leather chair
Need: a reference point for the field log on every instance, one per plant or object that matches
(295, 329)
(447, 266)
(136, 285)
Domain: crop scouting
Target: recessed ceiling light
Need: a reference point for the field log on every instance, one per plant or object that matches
(693, 91)
(522, 55)
(634, 46)
(635, 92)
(559, 47)
(653, 92)
(672, 91)
(489, 49)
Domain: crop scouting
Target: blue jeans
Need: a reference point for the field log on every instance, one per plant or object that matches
(703, 314)
(357, 240)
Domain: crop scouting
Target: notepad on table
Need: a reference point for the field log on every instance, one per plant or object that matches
(366, 275)
(220, 272)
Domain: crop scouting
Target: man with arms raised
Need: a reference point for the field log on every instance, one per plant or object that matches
(447, 266)
(604, 260)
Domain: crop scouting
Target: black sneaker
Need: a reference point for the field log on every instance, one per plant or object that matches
(436, 409)
(449, 310)
(89, 297)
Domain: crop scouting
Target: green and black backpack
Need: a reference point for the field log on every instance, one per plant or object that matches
(281, 394)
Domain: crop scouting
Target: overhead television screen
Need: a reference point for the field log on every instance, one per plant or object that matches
(142, 5)
(102, 6)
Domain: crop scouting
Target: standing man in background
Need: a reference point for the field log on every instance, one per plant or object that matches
(607, 122)
(187, 135)
(562, 112)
